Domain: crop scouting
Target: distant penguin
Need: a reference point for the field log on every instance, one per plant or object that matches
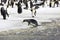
(19, 7)
(4, 13)
(33, 10)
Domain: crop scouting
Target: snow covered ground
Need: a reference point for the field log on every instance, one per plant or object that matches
(15, 20)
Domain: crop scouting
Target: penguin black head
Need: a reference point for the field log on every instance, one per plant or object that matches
(24, 20)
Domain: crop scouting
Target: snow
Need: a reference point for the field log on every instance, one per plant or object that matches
(15, 20)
